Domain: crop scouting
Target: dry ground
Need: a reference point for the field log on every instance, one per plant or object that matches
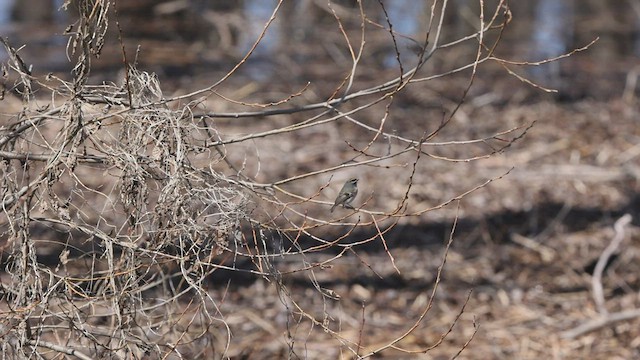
(524, 249)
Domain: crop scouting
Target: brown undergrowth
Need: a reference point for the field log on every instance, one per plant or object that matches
(141, 225)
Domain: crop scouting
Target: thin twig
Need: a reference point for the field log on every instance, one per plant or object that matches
(596, 279)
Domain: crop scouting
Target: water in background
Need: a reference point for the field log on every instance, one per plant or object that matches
(541, 29)
(5, 11)
(553, 37)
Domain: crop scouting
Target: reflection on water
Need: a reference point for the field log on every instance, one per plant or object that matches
(258, 13)
(5, 11)
(405, 16)
(59, 15)
(36, 24)
(552, 35)
(260, 65)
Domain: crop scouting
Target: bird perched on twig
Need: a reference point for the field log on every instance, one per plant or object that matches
(347, 194)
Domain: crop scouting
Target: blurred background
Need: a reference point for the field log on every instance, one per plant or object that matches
(182, 39)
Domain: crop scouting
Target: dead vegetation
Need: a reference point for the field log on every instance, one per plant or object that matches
(141, 225)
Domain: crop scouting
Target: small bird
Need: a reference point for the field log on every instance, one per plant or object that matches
(347, 194)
